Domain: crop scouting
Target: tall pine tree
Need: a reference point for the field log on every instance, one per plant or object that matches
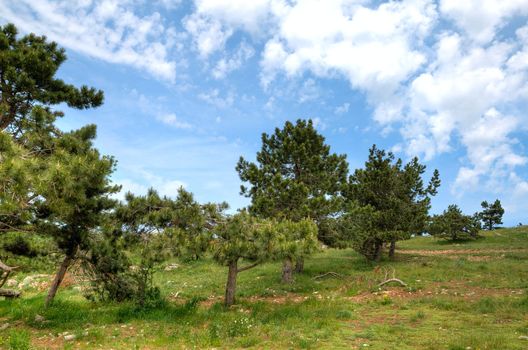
(389, 202)
(295, 176)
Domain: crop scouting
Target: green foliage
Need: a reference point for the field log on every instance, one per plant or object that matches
(295, 175)
(453, 225)
(491, 215)
(388, 200)
(27, 67)
(114, 278)
(243, 236)
(182, 226)
(254, 239)
(20, 246)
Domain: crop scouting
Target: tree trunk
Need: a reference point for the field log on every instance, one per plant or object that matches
(299, 265)
(377, 251)
(231, 283)
(287, 271)
(58, 278)
(392, 248)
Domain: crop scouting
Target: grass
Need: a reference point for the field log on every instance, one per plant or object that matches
(453, 301)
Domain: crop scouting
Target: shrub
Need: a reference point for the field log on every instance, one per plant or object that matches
(20, 246)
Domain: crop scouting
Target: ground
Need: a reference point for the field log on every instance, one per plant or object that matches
(470, 295)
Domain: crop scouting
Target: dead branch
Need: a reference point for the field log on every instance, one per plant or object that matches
(391, 279)
(8, 293)
(329, 274)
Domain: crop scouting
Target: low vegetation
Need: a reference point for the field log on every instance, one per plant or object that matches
(457, 296)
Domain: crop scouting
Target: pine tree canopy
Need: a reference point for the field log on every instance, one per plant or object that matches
(27, 78)
(295, 175)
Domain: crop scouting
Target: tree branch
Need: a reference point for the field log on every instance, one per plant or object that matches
(247, 267)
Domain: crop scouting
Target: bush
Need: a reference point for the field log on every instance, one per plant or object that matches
(20, 246)
(115, 278)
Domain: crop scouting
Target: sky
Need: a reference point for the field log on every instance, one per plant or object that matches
(190, 86)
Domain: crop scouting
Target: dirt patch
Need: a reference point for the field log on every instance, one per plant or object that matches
(456, 289)
(459, 251)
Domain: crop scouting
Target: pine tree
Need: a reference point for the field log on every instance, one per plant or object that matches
(492, 214)
(59, 183)
(295, 176)
(256, 240)
(184, 223)
(27, 79)
(395, 200)
(453, 225)
(74, 189)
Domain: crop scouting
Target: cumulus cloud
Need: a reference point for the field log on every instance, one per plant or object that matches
(107, 30)
(480, 19)
(374, 48)
(468, 91)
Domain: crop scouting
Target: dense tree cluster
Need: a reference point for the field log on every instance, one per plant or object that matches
(57, 185)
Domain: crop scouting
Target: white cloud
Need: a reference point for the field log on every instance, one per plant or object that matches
(481, 19)
(374, 48)
(208, 34)
(318, 123)
(214, 98)
(228, 64)
(172, 120)
(156, 108)
(342, 109)
(165, 187)
(107, 30)
(309, 91)
(463, 93)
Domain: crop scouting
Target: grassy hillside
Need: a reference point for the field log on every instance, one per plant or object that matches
(459, 296)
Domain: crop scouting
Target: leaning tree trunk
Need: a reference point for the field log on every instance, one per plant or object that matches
(299, 265)
(392, 248)
(287, 271)
(58, 278)
(231, 283)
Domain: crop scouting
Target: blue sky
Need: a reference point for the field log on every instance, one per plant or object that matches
(191, 85)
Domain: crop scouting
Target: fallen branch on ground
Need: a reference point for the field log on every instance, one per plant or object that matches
(8, 293)
(329, 274)
(392, 279)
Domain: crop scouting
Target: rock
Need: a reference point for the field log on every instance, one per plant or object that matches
(39, 318)
(69, 337)
(523, 337)
(11, 283)
(171, 267)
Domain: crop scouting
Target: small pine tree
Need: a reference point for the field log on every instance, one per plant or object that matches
(257, 240)
(453, 225)
(492, 214)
